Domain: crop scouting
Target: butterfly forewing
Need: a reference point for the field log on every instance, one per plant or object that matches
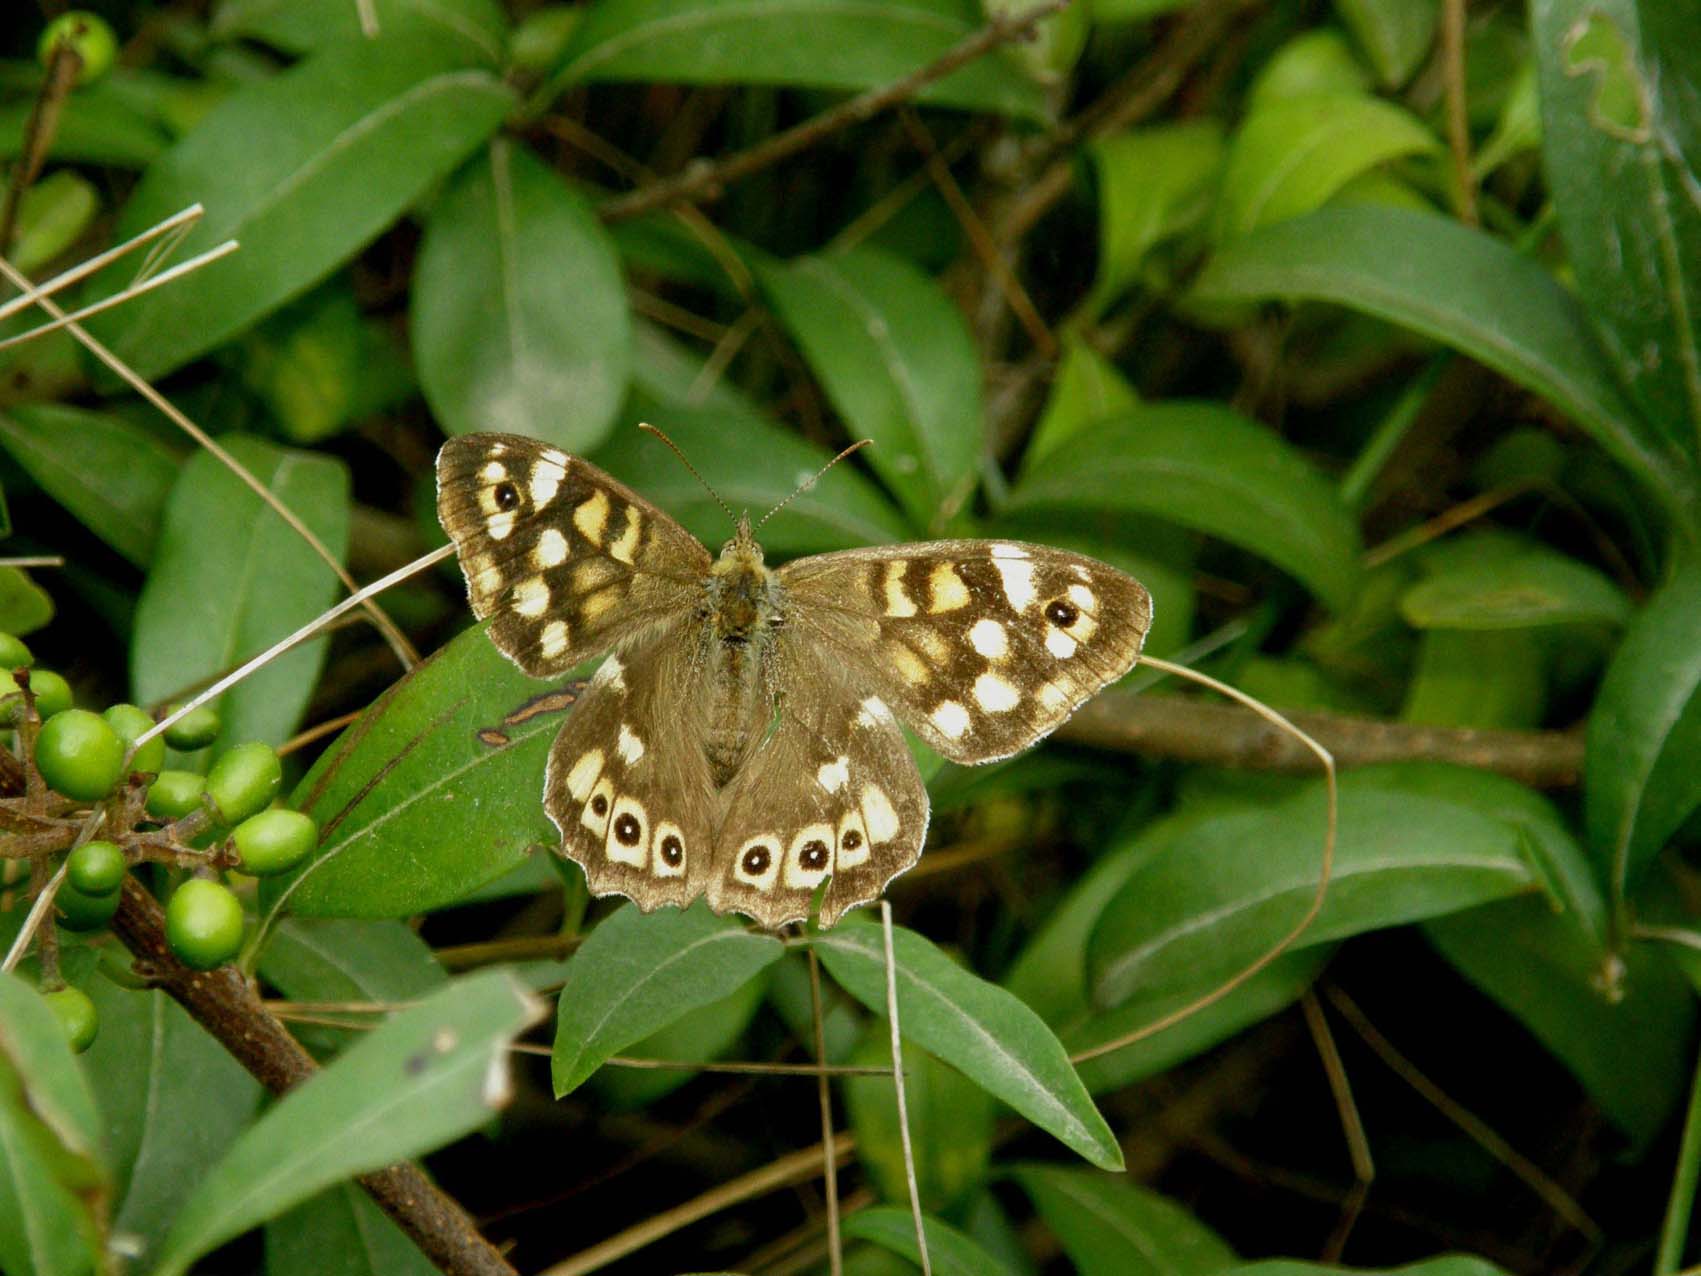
(832, 791)
(980, 647)
(627, 782)
(564, 560)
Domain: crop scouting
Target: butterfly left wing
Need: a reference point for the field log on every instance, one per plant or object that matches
(565, 560)
(980, 647)
(831, 790)
(627, 782)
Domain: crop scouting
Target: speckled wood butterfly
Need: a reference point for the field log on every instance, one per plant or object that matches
(741, 740)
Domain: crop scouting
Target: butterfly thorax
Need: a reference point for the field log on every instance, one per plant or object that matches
(742, 609)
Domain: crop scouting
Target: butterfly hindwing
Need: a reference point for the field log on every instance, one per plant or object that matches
(831, 791)
(627, 783)
(980, 647)
(565, 561)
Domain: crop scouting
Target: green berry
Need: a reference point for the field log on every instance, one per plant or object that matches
(195, 730)
(274, 841)
(95, 868)
(175, 794)
(13, 653)
(203, 923)
(79, 754)
(76, 1015)
(79, 911)
(130, 723)
(244, 780)
(89, 35)
(52, 693)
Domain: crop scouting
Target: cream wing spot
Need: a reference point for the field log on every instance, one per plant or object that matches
(493, 472)
(630, 747)
(873, 713)
(627, 545)
(833, 776)
(1060, 644)
(500, 525)
(590, 516)
(629, 833)
(757, 863)
(898, 601)
(531, 597)
(950, 719)
(933, 647)
(989, 639)
(583, 774)
(1083, 598)
(878, 817)
(945, 589)
(551, 548)
(545, 482)
(1052, 697)
(910, 666)
(1017, 577)
(1004, 549)
(668, 854)
(810, 857)
(995, 694)
(853, 841)
(599, 604)
(553, 640)
(611, 674)
(597, 806)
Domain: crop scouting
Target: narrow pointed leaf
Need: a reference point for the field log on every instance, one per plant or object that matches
(426, 1077)
(950, 1252)
(230, 578)
(1110, 1227)
(637, 973)
(297, 26)
(983, 1031)
(346, 1223)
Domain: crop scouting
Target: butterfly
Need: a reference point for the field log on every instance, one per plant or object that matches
(740, 741)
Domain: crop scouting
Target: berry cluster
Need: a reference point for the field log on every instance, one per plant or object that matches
(86, 797)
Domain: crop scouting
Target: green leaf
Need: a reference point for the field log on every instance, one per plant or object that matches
(24, 605)
(1208, 907)
(1628, 1046)
(950, 1119)
(426, 1077)
(1607, 68)
(419, 779)
(98, 124)
(951, 1253)
(830, 44)
(1451, 1265)
(1292, 154)
(230, 578)
(1087, 389)
(668, 375)
(1640, 780)
(1109, 1227)
(637, 973)
(1153, 183)
(1489, 586)
(152, 1066)
(519, 314)
(341, 1225)
(1477, 678)
(53, 1178)
(1208, 468)
(300, 26)
(706, 1033)
(353, 136)
(1461, 287)
(1314, 61)
(982, 1030)
(754, 465)
(113, 476)
(895, 356)
(331, 959)
(1395, 34)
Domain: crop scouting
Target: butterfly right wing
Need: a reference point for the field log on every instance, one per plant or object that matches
(628, 784)
(564, 560)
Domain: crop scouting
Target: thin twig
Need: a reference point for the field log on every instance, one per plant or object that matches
(1458, 119)
(1191, 730)
(177, 222)
(41, 908)
(1352, 1125)
(64, 65)
(1325, 867)
(706, 179)
(898, 1088)
(359, 598)
(34, 560)
(1536, 1178)
(398, 642)
(793, 1168)
(824, 1093)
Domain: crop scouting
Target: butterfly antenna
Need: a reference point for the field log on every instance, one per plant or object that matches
(814, 479)
(731, 517)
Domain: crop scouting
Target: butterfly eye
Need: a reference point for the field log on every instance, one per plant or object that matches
(1061, 613)
(851, 840)
(507, 496)
(599, 804)
(814, 856)
(756, 860)
(627, 830)
(672, 851)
